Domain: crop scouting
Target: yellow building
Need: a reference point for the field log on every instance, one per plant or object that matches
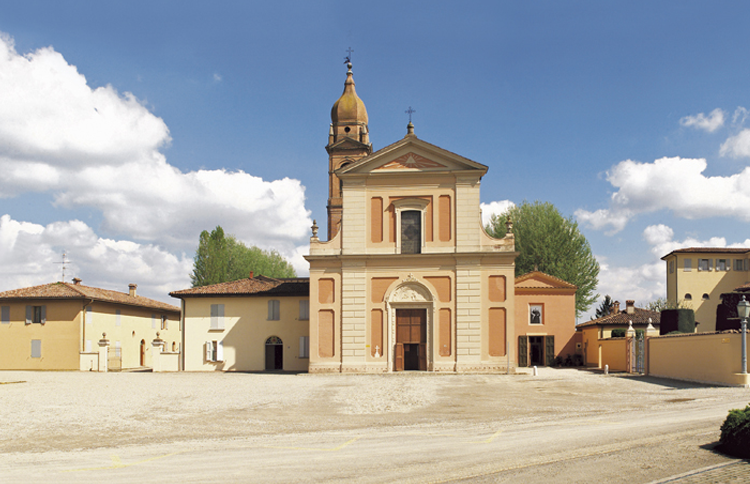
(409, 279)
(58, 326)
(699, 275)
(252, 324)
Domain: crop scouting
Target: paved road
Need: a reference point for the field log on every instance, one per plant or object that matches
(633, 444)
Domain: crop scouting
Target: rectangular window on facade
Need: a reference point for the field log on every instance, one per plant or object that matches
(671, 266)
(153, 321)
(118, 349)
(36, 314)
(217, 316)
(704, 264)
(118, 318)
(5, 316)
(721, 265)
(304, 310)
(36, 348)
(273, 310)
(411, 232)
(88, 346)
(304, 347)
(738, 265)
(214, 351)
(536, 314)
(688, 265)
(164, 323)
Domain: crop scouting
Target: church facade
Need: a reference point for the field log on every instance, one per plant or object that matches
(408, 278)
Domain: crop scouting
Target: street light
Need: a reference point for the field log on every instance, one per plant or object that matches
(743, 310)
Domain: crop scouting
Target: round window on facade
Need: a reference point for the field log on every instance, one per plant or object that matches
(688, 297)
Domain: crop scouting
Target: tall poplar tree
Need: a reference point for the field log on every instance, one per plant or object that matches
(222, 258)
(551, 243)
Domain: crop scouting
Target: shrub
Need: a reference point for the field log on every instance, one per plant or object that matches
(618, 333)
(735, 433)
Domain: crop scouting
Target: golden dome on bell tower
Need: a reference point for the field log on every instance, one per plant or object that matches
(348, 114)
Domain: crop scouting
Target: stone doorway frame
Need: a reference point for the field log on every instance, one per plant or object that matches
(410, 294)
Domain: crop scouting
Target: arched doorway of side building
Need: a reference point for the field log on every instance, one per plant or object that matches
(274, 353)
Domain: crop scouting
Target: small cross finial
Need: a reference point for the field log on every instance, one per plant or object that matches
(348, 58)
(410, 111)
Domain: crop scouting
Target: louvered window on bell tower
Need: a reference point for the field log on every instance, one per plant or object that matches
(411, 232)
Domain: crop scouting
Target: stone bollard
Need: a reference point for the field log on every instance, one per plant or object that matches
(606, 369)
(158, 344)
(103, 353)
(536, 371)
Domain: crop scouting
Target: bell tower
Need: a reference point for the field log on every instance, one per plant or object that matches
(348, 141)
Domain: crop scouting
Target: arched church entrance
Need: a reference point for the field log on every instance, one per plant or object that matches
(274, 353)
(410, 319)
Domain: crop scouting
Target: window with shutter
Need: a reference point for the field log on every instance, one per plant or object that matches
(217, 316)
(5, 314)
(29, 314)
(209, 350)
(688, 265)
(153, 321)
(36, 348)
(304, 310)
(219, 345)
(274, 310)
(304, 347)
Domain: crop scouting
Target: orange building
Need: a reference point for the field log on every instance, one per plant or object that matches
(545, 319)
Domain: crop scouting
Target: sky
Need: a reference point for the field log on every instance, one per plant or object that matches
(127, 128)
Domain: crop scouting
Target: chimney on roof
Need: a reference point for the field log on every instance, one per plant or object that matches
(76, 281)
(251, 274)
(630, 306)
(131, 289)
(615, 307)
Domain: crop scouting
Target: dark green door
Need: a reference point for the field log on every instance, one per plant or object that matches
(523, 351)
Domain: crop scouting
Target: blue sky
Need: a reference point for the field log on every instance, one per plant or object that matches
(126, 128)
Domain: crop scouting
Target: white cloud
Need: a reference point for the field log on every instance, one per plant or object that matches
(675, 184)
(737, 146)
(217, 77)
(31, 254)
(494, 208)
(739, 116)
(99, 149)
(710, 123)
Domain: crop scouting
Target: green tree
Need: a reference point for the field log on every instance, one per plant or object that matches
(605, 308)
(222, 258)
(551, 243)
(661, 303)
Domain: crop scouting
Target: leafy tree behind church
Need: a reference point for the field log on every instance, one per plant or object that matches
(223, 258)
(551, 243)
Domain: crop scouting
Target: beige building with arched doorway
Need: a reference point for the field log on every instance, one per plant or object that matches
(409, 279)
(253, 324)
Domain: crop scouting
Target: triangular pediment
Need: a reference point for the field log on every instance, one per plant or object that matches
(413, 155)
(540, 280)
(347, 143)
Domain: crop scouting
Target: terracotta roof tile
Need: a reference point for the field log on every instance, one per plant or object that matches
(257, 286)
(65, 290)
(639, 318)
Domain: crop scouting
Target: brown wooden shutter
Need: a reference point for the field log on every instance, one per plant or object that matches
(549, 350)
(523, 351)
(423, 357)
(399, 357)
